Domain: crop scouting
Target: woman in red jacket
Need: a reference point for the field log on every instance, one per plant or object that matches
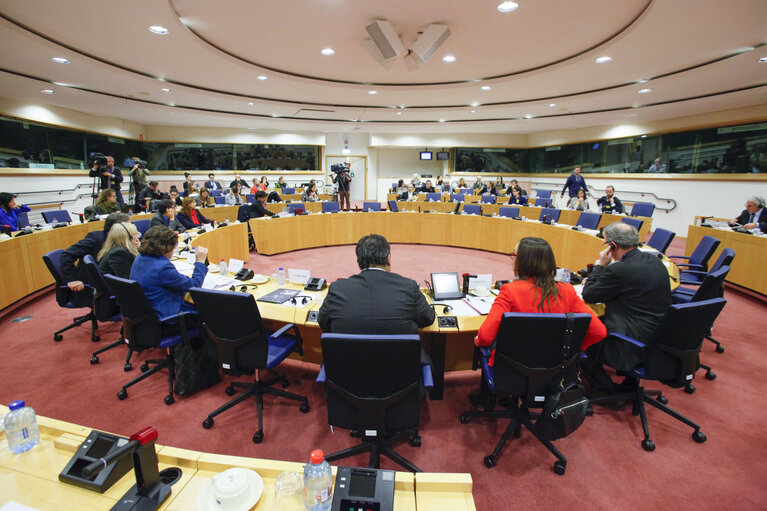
(535, 290)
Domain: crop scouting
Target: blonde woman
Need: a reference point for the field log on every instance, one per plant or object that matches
(107, 202)
(119, 250)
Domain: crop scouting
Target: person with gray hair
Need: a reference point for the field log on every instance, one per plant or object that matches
(754, 215)
(635, 288)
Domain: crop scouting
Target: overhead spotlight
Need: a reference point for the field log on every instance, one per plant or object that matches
(603, 60)
(60, 60)
(328, 51)
(159, 30)
(399, 113)
(442, 120)
(552, 105)
(346, 150)
(372, 92)
(48, 91)
(385, 38)
(262, 77)
(472, 111)
(448, 58)
(644, 91)
(251, 103)
(643, 136)
(528, 116)
(166, 90)
(429, 42)
(474, 104)
(508, 6)
(485, 87)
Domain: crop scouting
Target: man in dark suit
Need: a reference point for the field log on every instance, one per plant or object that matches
(258, 208)
(375, 301)
(239, 181)
(636, 292)
(409, 194)
(754, 215)
(609, 202)
(211, 183)
(166, 216)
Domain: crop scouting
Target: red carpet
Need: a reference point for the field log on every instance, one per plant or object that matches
(607, 467)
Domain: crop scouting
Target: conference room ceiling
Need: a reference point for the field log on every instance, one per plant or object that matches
(697, 56)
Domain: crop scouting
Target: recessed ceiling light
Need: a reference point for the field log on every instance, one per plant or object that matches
(372, 92)
(275, 115)
(346, 150)
(166, 89)
(262, 77)
(157, 29)
(472, 111)
(528, 116)
(62, 84)
(507, 6)
(442, 120)
(475, 103)
(631, 115)
(448, 58)
(47, 91)
(60, 60)
(251, 103)
(643, 136)
(552, 105)
(328, 51)
(252, 128)
(602, 60)
(644, 91)
(399, 113)
(485, 87)
(763, 60)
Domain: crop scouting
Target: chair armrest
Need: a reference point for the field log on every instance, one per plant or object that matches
(428, 379)
(697, 267)
(678, 257)
(627, 339)
(284, 329)
(296, 334)
(693, 272)
(321, 377)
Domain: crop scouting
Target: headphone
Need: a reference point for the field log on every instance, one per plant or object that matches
(304, 299)
(613, 246)
(126, 230)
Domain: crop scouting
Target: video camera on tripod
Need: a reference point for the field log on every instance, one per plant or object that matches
(340, 168)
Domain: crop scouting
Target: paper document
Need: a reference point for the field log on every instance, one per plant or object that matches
(183, 266)
(214, 281)
(482, 280)
(459, 308)
(480, 305)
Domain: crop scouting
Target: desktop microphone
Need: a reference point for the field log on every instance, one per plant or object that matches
(143, 437)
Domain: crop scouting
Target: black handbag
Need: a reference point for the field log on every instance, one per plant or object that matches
(564, 411)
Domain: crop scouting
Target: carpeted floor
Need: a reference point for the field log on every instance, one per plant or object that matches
(607, 468)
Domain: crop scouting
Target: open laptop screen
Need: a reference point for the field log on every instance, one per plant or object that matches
(446, 286)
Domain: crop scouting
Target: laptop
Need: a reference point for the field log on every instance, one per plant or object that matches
(446, 286)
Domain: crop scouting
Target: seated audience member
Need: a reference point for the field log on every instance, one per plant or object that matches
(166, 216)
(255, 188)
(461, 184)
(174, 198)
(609, 202)
(190, 186)
(119, 250)
(263, 184)
(754, 215)
(72, 269)
(535, 290)
(189, 217)
(106, 204)
(258, 208)
(657, 166)
(492, 190)
(205, 200)
(499, 183)
(516, 196)
(416, 182)
(409, 194)
(400, 187)
(580, 202)
(161, 282)
(9, 211)
(513, 184)
(233, 198)
(636, 292)
(211, 183)
(479, 187)
(310, 194)
(441, 185)
(428, 187)
(239, 181)
(281, 183)
(147, 195)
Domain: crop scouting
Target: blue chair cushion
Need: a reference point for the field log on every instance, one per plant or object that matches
(170, 341)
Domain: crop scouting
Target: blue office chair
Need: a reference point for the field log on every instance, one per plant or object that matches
(695, 278)
(698, 260)
(60, 215)
(22, 219)
(365, 394)
(472, 209)
(433, 197)
(142, 226)
(544, 193)
(465, 191)
(634, 222)
(532, 358)
(220, 200)
(393, 187)
(550, 213)
(393, 206)
(143, 330)
(216, 193)
(52, 261)
(288, 191)
(488, 199)
(250, 198)
(542, 202)
(642, 209)
(330, 207)
(670, 357)
(371, 206)
(508, 211)
(297, 208)
(456, 197)
(233, 322)
(589, 220)
(661, 239)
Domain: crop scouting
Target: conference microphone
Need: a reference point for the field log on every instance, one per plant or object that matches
(143, 437)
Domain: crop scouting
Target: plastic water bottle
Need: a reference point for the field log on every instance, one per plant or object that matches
(21, 427)
(318, 483)
(222, 268)
(280, 277)
(191, 257)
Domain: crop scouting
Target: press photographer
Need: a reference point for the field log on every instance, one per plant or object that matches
(340, 176)
(103, 167)
(138, 173)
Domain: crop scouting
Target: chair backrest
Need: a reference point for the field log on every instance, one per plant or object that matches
(250, 197)
(220, 199)
(393, 186)
(60, 215)
(371, 206)
(672, 352)
(550, 213)
(589, 220)
(363, 367)
(488, 199)
(508, 211)
(288, 191)
(543, 193)
(330, 207)
(393, 206)
(141, 326)
(705, 249)
(661, 239)
(52, 261)
(542, 202)
(142, 226)
(234, 324)
(472, 209)
(634, 222)
(642, 209)
(529, 353)
(433, 197)
(456, 197)
(216, 193)
(465, 191)
(712, 285)
(724, 259)
(22, 219)
(297, 207)
(104, 303)
(243, 213)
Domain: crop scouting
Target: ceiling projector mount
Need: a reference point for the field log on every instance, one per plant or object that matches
(385, 46)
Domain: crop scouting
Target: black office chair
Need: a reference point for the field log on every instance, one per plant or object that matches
(233, 322)
(105, 307)
(661, 239)
(373, 387)
(63, 297)
(529, 367)
(698, 260)
(671, 357)
(143, 329)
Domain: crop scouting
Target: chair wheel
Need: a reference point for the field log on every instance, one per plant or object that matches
(144, 367)
(648, 445)
(229, 391)
(127, 367)
(589, 411)
(490, 461)
(207, 423)
(710, 375)
(689, 388)
(121, 395)
(258, 437)
(662, 399)
(169, 400)
(285, 383)
(465, 419)
(719, 349)
(95, 338)
(94, 360)
(699, 436)
(559, 468)
(415, 441)
(304, 408)
(58, 337)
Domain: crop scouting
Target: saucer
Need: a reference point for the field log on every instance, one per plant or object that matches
(259, 279)
(231, 480)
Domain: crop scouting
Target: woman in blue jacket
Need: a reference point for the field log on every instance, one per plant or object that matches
(9, 212)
